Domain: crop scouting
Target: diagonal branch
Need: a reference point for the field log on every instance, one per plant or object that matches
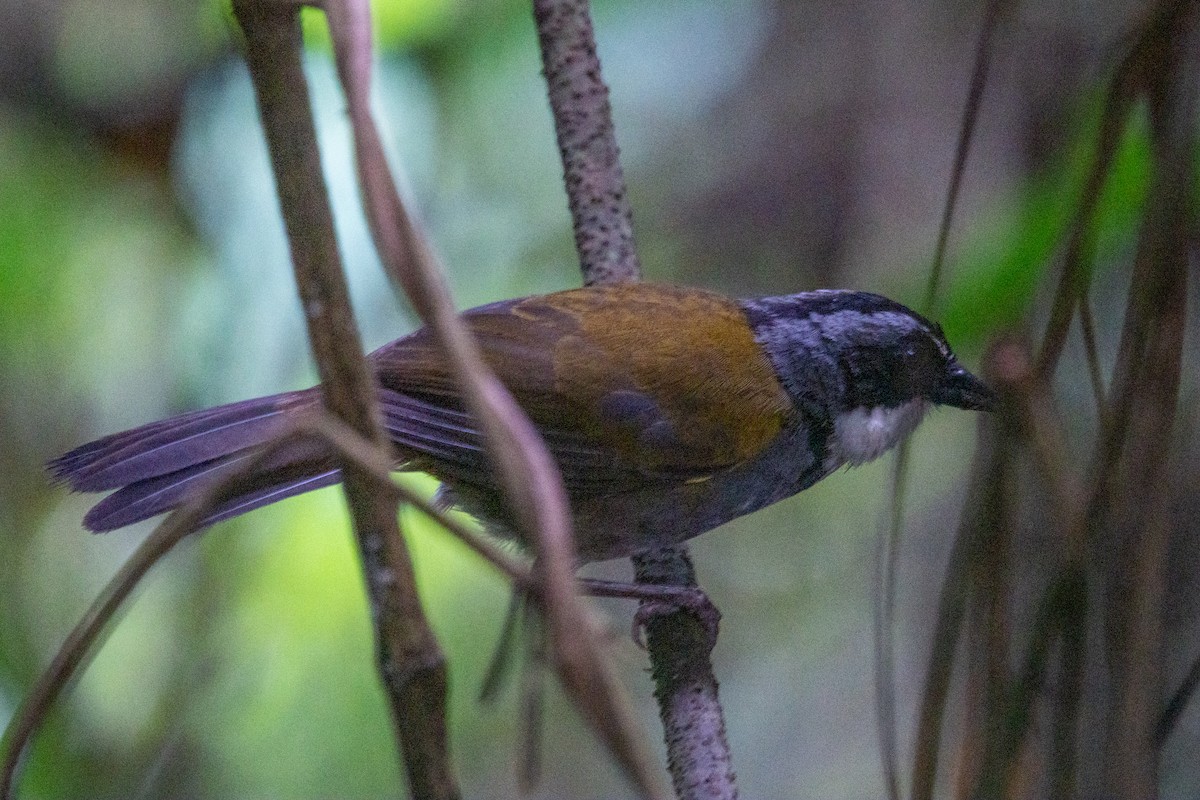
(587, 142)
(1073, 281)
(966, 132)
(410, 661)
(530, 479)
(72, 653)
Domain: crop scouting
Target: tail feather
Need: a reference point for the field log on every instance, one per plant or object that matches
(85, 455)
(148, 498)
(155, 467)
(165, 447)
(272, 493)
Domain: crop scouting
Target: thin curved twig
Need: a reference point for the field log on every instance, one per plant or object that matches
(532, 484)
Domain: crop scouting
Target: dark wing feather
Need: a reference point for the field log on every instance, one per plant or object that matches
(447, 441)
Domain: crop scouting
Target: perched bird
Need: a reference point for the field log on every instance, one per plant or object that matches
(669, 410)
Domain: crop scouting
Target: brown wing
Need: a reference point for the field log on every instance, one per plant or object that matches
(624, 381)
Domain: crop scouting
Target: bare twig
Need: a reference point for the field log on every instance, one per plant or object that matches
(1148, 373)
(991, 629)
(1075, 261)
(353, 447)
(50, 684)
(1062, 607)
(411, 663)
(1088, 325)
(887, 561)
(320, 427)
(166, 535)
(979, 507)
(966, 132)
(1178, 702)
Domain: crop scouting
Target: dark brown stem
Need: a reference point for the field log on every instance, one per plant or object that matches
(1148, 374)
(1076, 261)
(35, 705)
(410, 662)
(966, 131)
(991, 460)
(1178, 702)
(524, 468)
(1061, 610)
(887, 561)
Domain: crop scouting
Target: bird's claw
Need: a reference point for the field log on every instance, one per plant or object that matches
(688, 599)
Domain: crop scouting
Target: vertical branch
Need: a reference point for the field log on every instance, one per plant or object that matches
(694, 727)
(410, 661)
(587, 142)
(983, 500)
(685, 687)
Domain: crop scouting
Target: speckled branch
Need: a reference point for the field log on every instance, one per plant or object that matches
(583, 125)
(686, 688)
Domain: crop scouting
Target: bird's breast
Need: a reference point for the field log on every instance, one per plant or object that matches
(864, 434)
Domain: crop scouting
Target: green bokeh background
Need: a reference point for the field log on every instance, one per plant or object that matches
(770, 147)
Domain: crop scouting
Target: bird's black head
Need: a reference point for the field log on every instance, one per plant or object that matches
(863, 351)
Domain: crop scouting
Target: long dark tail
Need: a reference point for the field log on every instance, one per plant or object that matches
(155, 467)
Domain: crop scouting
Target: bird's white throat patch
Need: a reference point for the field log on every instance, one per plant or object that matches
(865, 434)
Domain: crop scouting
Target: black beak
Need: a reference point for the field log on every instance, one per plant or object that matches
(961, 389)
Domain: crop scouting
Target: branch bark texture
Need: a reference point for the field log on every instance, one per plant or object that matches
(583, 124)
(686, 687)
(410, 660)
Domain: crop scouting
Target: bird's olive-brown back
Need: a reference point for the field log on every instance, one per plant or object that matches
(667, 380)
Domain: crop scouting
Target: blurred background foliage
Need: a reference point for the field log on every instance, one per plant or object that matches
(771, 146)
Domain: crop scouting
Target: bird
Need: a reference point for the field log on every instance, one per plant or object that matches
(669, 411)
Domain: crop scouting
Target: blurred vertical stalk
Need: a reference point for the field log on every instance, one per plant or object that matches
(1148, 375)
(961, 574)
